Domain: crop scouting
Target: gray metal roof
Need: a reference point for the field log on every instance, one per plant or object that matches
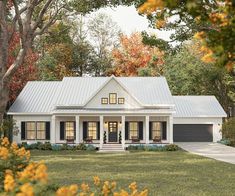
(36, 97)
(43, 97)
(198, 106)
(147, 90)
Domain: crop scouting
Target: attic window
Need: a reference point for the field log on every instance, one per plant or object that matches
(112, 98)
(121, 100)
(104, 100)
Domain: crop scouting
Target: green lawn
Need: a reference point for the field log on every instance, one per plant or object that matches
(163, 173)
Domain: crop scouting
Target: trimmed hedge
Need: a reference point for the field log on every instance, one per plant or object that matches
(142, 147)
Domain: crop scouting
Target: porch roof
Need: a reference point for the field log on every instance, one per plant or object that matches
(113, 111)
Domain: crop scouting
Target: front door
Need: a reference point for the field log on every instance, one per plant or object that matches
(113, 131)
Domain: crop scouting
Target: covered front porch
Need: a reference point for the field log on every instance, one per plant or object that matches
(100, 130)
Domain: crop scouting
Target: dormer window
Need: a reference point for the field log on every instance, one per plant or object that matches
(112, 98)
(104, 100)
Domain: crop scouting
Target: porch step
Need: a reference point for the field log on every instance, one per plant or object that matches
(111, 148)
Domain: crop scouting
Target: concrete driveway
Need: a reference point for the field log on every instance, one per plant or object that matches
(212, 150)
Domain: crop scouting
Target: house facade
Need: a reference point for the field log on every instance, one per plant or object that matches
(113, 110)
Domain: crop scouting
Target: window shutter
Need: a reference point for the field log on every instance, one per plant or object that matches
(74, 126)
(48, 130)
(98, 130)
(126, 130)
(164, 131)
(84, 130)
(23, 134)
(150, 131)
(62, 130)
(141, 130)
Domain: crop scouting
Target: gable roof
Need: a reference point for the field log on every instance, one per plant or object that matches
(198, 106)
(42, 97)
(77, 91)
(36, 97)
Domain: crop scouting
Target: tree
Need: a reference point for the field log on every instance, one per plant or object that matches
(26, 72)
(32, 18)
(103, 35)
(133, 57)
(212, 22)
(188, 75)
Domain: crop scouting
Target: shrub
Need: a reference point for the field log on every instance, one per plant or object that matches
(142, 147)
(56, 147)
(81, 146)
(228, 131)
(90, 148)
(171, 147)
(45, 146)
(18, 176)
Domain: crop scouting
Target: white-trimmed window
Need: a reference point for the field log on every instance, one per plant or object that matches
(92, 130)
(41, 130)
(156, 129)
(112, 98)
(30, 130)
(69, 130)
(133, 129)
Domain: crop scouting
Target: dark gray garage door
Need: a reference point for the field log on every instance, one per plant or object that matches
(192, 133)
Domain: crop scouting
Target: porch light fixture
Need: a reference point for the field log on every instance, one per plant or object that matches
(106, 122)
(120, 122)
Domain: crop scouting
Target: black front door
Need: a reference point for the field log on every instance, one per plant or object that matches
(113, 131)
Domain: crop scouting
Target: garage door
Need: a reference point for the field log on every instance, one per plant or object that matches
(192, 133)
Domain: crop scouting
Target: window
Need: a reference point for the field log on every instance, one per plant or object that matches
(30, 130)
(156, 129)
(133, 129)
(41, 130)
(69, 130)
(112, 98)
(121, 100)
(104, 100)
(92, 130)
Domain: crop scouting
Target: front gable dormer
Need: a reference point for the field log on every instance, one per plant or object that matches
(112, 95)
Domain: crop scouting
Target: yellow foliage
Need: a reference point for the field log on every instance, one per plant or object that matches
(34, 177)
(150, 6)
(9, 182)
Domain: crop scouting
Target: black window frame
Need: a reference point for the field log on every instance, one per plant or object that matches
(106, 102)
(115, 98)
(161, 129)
(121, 98)
(129, 130)
(36, 122)
(35, 129)
(65, 135)
(96, 124)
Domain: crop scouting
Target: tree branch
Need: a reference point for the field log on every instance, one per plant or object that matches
(20, 23)
(41, 14)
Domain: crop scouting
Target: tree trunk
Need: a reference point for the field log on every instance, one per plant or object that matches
(4, 94)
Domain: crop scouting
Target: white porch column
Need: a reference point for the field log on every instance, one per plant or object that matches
(77, 118)
(147, 129)
(101, 131)
(123, 132)
(170, 129)
(53, 130)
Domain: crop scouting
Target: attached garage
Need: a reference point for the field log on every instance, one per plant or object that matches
(193, 132)
(197, 119)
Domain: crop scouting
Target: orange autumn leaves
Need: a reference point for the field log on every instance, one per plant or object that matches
(215, 19)
(133, 55)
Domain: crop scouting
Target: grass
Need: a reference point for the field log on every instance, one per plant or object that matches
(163, 173)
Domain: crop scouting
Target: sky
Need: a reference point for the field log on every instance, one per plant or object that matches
(130, 21)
